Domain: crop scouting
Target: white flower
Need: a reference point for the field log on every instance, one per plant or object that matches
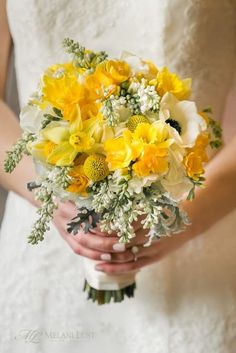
(137, 64)
(136, 184)
(185, 113)
(175, 181)
(31, 118)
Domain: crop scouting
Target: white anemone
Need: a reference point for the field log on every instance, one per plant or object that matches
(185, 114)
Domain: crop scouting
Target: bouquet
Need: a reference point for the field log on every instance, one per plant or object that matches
(120, 139)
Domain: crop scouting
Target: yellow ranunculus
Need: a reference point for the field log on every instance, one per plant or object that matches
(153, 161)
(169, 82)
(193, 165)
(79, 181)
(112, 72)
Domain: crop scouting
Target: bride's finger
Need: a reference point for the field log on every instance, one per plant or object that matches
(98, 255)
(117, 269)
(107, 244)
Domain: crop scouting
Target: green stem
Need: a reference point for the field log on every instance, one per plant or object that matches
(105, 296)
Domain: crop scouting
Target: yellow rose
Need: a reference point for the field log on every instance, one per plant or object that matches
(197, 156)
(79, 181)
(193, 165)
(170, 82)
(112, 72)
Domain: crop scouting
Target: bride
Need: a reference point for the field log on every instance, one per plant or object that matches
(186, 297)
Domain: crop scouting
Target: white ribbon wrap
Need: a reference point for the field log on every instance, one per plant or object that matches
(102, 281)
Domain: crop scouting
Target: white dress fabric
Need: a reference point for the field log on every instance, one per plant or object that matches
(186, 302)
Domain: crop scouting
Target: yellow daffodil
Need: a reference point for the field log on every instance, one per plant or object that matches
(168, 82)
(69, 140)
(135, 147)
(153, 161)
(121, 151)
(62, 92)
(155, 133)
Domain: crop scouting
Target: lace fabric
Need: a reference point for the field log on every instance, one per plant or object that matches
(184, 303)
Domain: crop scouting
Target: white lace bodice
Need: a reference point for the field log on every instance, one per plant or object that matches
(195, 38)
(184, 303)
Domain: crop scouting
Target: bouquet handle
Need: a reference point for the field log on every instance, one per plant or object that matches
(102, 287)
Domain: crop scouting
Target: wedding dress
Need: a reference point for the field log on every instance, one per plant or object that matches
(185, 303)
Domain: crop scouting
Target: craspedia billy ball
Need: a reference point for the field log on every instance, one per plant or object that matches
(95, 167)
(135, 120)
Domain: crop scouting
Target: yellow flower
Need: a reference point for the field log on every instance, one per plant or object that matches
(112, 72)
(155, 133)
(132, 146)
(193, 165)
(81, 141)
(153, 161)
(122, 150)
(95, 167)
(62, 92)
(170, 82)
(89, 109)
(146, 133)
(135, 120)
(196, 156)
(69, 139)
(79, 181)
(94, 89)
(42, 150)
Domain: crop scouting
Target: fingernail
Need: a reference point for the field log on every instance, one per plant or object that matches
(98, 268)
(119, 247)
(106, 257)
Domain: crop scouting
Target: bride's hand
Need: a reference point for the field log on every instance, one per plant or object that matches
(96, 245)
(118, 257)
(145, 255)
